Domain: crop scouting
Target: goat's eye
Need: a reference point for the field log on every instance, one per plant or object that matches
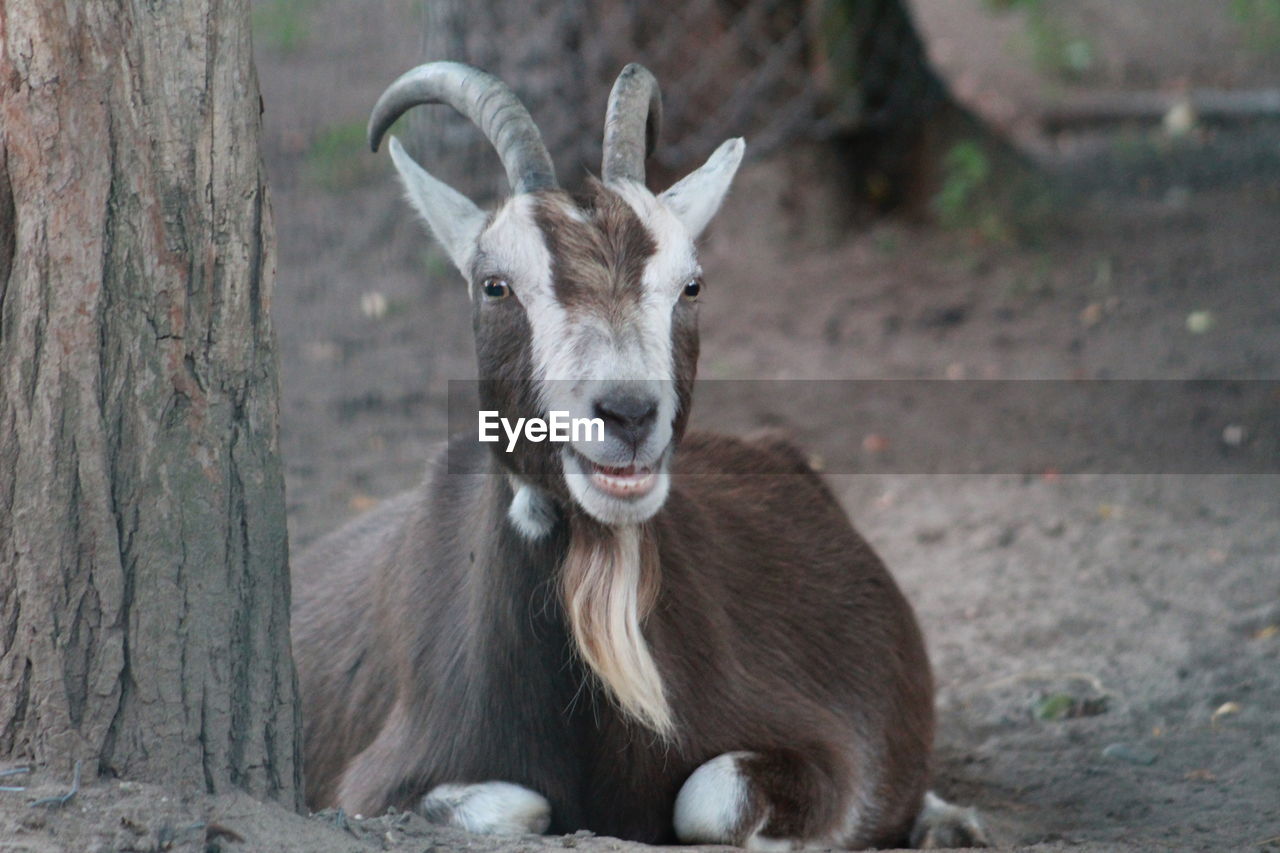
(691, 290)
(495, 288)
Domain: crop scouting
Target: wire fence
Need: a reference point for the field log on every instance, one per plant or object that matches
(772, 70)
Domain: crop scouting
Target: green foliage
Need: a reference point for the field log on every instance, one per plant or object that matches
(886, 243)
(1053, 707)
(966, 171)
(435, 263)
(1054, 48)
(838, 43)
(992, 195)
(282, 25)
(1035, 283)
(339, 158)
(1260, 20)
(1057, 51)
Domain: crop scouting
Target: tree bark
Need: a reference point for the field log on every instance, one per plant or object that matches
(144, 590)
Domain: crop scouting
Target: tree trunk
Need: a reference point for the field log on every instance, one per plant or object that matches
(851, 72)
(144, 590)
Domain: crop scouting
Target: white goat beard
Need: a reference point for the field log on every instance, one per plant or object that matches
(607, 595)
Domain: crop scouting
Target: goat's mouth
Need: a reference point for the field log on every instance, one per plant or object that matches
(617, 494)
(633, 481)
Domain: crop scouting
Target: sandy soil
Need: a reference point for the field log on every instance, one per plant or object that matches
(1107, 646)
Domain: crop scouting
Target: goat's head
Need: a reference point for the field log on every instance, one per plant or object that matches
(582, 305)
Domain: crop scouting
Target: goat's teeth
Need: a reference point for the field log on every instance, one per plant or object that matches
(623, 481)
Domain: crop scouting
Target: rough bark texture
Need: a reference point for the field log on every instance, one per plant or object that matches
(144, 616)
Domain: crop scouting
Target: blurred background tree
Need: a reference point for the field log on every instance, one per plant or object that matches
(853, 73)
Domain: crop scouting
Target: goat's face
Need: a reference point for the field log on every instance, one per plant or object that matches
(595, 301)
(587, 307)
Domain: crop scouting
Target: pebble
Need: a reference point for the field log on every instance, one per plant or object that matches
(1199, 322)
(1224, 710)
(1181, 118)
(373, 304)
(1233, 435)
(1132, 753)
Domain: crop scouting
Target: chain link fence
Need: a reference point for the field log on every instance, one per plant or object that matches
(772, 70)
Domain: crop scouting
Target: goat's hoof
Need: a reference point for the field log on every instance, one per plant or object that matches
(941, 824)
(487, 808)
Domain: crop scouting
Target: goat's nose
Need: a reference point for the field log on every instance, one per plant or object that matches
(629, 416)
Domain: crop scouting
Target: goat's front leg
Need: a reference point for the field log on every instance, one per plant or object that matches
(761, 801)
(488, 808)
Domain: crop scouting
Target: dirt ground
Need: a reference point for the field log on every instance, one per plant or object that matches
(1106, 645)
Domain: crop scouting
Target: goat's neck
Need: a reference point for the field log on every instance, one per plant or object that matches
(605, 580)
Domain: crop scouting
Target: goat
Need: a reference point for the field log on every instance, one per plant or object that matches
(661, 635)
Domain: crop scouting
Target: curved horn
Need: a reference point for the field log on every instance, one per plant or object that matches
(631, 124)
(486, 101)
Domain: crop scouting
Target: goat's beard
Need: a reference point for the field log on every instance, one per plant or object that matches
(609, 581)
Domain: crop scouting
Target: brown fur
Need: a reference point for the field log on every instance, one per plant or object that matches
(437, 645)
(444, 655)
(600, 260)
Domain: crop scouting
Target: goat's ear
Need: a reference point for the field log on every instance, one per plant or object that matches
(453, 218)
(696, 197)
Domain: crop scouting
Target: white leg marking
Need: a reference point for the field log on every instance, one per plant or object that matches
(488, 808)
(712, 803)
(941, 824)
(759, 844)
